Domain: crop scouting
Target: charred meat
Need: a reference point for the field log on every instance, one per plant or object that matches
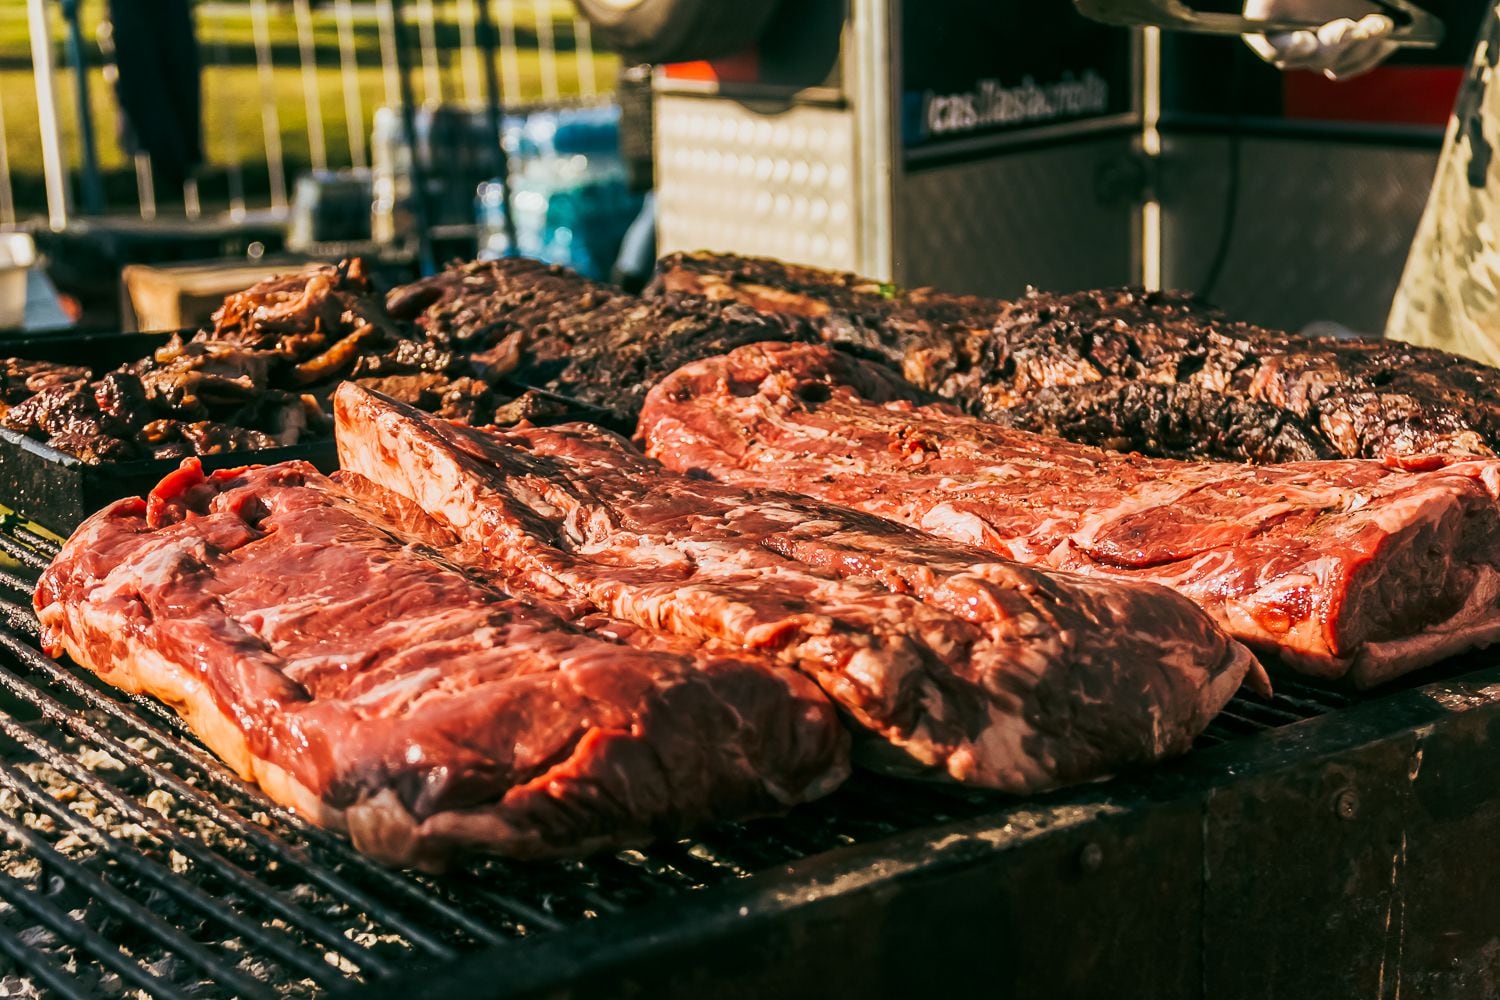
(1156, 372)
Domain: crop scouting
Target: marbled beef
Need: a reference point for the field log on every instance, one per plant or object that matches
(1370, 566)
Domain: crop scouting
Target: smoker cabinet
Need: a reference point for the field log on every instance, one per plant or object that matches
(986, 146)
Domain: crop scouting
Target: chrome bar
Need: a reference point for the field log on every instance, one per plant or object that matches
(432, 66)
(145, 185)
(546, 46)
(7, 192)
(93, 187)
(468, 49)
(307, 55)
(54, 167)
(260, 20)
(385, 13)
(229, 136)
(510, 62)
(354, 107)
(583, 55)
(1415, 28)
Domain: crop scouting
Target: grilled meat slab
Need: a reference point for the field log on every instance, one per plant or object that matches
(997, 674)
(1155, 372)
(258, 378)
(1362, 566)
(550, 327)
(313, 640)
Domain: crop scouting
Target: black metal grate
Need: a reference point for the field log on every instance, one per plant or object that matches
(137, 861)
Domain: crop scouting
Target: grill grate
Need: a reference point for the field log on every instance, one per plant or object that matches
(137, 861)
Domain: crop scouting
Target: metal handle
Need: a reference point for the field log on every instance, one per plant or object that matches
(1415, 27)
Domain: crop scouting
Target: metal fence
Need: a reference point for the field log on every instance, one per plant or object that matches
(288, 87)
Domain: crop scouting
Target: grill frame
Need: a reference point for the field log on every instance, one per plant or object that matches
(1135, 868)
(1339, 856)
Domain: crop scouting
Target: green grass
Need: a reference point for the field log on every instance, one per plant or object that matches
(234, 94)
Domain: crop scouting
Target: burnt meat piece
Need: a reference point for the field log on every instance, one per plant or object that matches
(994, 673)
(922, 329)
(304, 313)
(480, 304)
(1173, 420)
(535, 407)
(93, 447)
(1088, 366)
(259, 377)
(620, 350)
(547, 326)
(68, 412)
(408, 357)
(209, 437)
(311, 639)
(424, 390)
(123, 396)
(20, 378)
(1370, 568)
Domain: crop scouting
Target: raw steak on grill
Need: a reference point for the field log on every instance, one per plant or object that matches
(997, 674)
(1156, 372)
(312, 640)
(1336, 566)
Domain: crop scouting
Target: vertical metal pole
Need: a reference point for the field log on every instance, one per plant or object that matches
(874, 140)
(432, 76)
(510, 62)
(260, 21)
(54, 169)
(93, 187)
(386, 19)
(546, 46)
(469, 50)
(230, 137)
(583, 57)
(7, 193)
(1151, 227)
(354, 106)
(145, 186)
(421, 210)
(307, 54)
(494, 104)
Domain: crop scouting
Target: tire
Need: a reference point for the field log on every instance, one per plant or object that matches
(657, 31)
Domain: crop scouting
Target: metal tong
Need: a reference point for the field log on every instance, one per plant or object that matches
(1415, 27)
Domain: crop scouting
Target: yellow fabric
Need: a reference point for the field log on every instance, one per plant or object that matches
(1449, 297)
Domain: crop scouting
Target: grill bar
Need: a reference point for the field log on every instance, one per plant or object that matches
(56, 982)
(262, 839)
(84, 938)
(40, 544)
(167, 831)
(127, 908)
(23, 553)
(276, 944)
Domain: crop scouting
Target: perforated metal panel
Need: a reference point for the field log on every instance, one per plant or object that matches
(772, 184)
(1321, 230)
(1049, 217)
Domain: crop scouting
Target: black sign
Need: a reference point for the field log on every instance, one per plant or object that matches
(976, 68)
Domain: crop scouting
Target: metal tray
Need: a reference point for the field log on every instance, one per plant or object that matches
(57, 490)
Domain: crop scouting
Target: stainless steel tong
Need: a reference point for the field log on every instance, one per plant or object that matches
(1415, 27)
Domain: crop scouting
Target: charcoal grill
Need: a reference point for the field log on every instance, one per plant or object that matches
(1315, 844)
